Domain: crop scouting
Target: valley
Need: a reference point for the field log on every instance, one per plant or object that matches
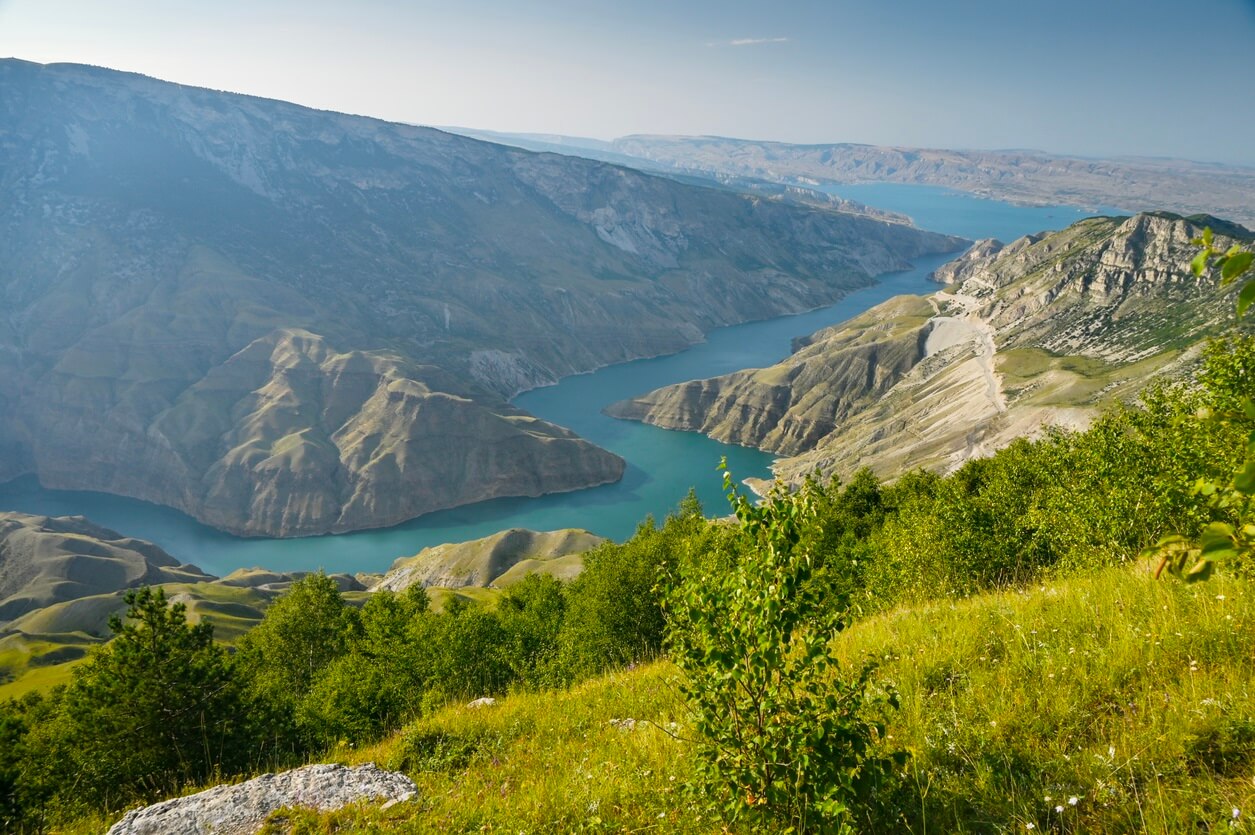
(850, 170)
(661, 465)
(318, 326)
(358, 475)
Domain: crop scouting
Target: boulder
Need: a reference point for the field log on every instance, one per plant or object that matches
(242, 808)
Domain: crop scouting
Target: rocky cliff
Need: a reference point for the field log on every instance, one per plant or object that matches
(1039, 332)
(284, 321)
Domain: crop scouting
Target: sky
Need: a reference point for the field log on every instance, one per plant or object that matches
(1088, 77)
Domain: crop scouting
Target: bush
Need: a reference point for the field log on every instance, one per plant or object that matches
(784, 736)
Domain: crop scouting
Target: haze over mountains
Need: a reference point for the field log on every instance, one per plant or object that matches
(285, 321)
(1035, 177)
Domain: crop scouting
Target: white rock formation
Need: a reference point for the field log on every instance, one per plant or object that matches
(241, 809)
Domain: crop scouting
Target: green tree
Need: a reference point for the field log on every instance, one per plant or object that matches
(469, 651)
(155, 709)
(379, 683)
(13, 756)
(785, 737)
(531, 614)
(614, 613)
(303, 631)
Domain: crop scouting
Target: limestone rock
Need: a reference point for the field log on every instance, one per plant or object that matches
(242, 808)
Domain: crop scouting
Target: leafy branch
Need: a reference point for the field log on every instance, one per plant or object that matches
(1195, 559)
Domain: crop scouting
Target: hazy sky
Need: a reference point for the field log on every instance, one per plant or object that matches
(1098, 77)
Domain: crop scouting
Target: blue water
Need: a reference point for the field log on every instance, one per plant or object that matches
(662, 465)
(958, 213)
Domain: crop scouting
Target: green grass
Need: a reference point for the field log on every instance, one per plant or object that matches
(1135, 697)
(37, 664)
(440, 597)
(539, 762)
(1034, 376)
(37, 657)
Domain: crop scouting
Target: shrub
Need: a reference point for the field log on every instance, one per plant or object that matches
(784, 736)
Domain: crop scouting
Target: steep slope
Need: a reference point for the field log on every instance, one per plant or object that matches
(494, 560)
(1039, 332)
(1027, 176)
(51, 559)
(284, 321)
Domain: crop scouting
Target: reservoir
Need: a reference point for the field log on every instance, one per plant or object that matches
(662, 464)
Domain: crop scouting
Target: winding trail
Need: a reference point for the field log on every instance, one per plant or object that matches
(975, 328)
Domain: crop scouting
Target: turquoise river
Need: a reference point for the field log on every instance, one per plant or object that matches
(662, 465)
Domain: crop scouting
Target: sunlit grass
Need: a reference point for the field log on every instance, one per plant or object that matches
(552, 761)
(1135, 697)
(1105, 704)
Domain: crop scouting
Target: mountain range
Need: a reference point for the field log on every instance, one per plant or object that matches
(1019, 176)
(284, 321)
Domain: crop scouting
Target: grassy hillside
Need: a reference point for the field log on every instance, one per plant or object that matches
(1135, 697)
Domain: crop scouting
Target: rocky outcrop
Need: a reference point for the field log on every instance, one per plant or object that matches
(241, 809)
(496, 560)
(1040, 332)
(317, 330)
(46, 560)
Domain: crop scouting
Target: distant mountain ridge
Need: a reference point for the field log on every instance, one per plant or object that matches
(284, 321)
(1039, 332)
(1026, 176)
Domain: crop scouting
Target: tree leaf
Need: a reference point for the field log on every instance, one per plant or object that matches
(1244, 481)
(1199, 263)
(1202, 570)
(1235, 265)
(1246, 297)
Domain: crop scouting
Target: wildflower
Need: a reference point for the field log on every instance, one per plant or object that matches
(1029, 826)
(1237, 813)
(1059, 809)
(1072, 801)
